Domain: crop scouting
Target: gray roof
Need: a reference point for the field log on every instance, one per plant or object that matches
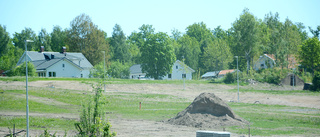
(43, 60)
(135, 69)
(210, 74)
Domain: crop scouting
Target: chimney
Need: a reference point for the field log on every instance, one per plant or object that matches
(41, 49)
(63, 50)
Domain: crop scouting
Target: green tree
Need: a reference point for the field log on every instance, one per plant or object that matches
(58, 38)
(119, 47)
(21, 70)
(309, 54)
(189, 50)
(26, 34)
(157, 55)
(316, 32)
(85, 37)
(316, 82)
(44, 39)
(217, 55)
(119, 70)
(4, 40)
(245, 33)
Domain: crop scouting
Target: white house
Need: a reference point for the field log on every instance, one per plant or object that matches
(58, 64)
(179, 70)
(265, 61)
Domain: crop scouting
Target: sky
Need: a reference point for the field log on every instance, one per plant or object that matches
(163, 15)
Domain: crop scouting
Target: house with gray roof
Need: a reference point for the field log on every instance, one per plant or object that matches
(58, 64)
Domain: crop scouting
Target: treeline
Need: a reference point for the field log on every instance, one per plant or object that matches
(201, 48)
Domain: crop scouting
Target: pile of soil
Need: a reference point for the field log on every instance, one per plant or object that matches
(207, 111)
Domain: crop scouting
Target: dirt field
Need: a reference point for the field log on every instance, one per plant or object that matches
(134, 128)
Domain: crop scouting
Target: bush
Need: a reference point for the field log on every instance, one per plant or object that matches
(316, 82)
(230, 78)
(21, 70)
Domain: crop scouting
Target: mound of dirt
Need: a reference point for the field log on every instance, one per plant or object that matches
(207, 111)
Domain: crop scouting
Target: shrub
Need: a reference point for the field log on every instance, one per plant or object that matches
(316, 82)
(230, 78)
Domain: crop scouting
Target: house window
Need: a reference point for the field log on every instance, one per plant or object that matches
(169, 76)
(184, 75)
(81, 75)
(262, 65)
(63, 65)
(52, 74)
(176, 67)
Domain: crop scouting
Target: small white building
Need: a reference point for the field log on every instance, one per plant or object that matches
(58, 64)
(265, 61)
(178, 72)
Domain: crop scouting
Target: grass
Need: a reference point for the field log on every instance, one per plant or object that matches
(265, 120)
(37, 123)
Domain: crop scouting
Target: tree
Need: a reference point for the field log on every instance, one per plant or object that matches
(316, 32)
(309, 54)
(44, 39)
(119, 47)
(58, 38)
(157, 55)
(26, 34)
(245, 33)
(4, 40)
(189, 50)
(217, 55)
(85, 37)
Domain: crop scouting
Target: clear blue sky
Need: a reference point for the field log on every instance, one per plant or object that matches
(164, 15)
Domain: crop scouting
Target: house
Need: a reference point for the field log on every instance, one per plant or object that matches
(268, 61)
(178, 72)
(210, 75)
(58, 64)
(265, 61)
(223, 73)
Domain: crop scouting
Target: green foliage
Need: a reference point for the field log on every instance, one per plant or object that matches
(157, 55)
(4, 40)
(21, 70)
(92, 119)
(58, 38)
(8, 60)
(273, 76)
(230, 78)
(85, 37)
(189, 50)
(119, 47)
(309, 54)
(98, 71)
(44, 39)
(27, 34)
(316, 81)
(119, 70)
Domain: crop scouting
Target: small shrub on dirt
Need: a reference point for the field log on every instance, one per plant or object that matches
(230, 78)
(316, 82)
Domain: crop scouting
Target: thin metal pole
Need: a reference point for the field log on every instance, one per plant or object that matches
(104, 70)
(27, 89)
(184, 75)
(238, 79)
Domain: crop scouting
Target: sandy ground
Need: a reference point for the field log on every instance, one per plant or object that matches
(134, 128)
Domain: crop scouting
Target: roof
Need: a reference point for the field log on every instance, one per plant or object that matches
(43, 60)
(178, 61)
(135, 69)
(224, 72)
(291, 60)
(271, 56)
(210, 74)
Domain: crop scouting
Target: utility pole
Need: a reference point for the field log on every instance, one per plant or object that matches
(184, 75)
(104, 70)
(237, 77)
(27, 106)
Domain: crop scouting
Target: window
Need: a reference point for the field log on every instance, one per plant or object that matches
(176, 67)
(169, 76)
(63, 65)
(50, 74)
(54, 74)
(81, 75)
(262, 65)
(184, 75)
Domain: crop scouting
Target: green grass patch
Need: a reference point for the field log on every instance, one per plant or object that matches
(153, 106)
(37, 122)
(267, 120)
(284, 92)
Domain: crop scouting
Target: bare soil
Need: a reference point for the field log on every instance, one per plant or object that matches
(134, 128)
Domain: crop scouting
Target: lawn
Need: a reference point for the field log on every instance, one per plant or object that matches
(265, 120)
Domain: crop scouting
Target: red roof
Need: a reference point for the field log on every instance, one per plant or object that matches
(223, 72)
